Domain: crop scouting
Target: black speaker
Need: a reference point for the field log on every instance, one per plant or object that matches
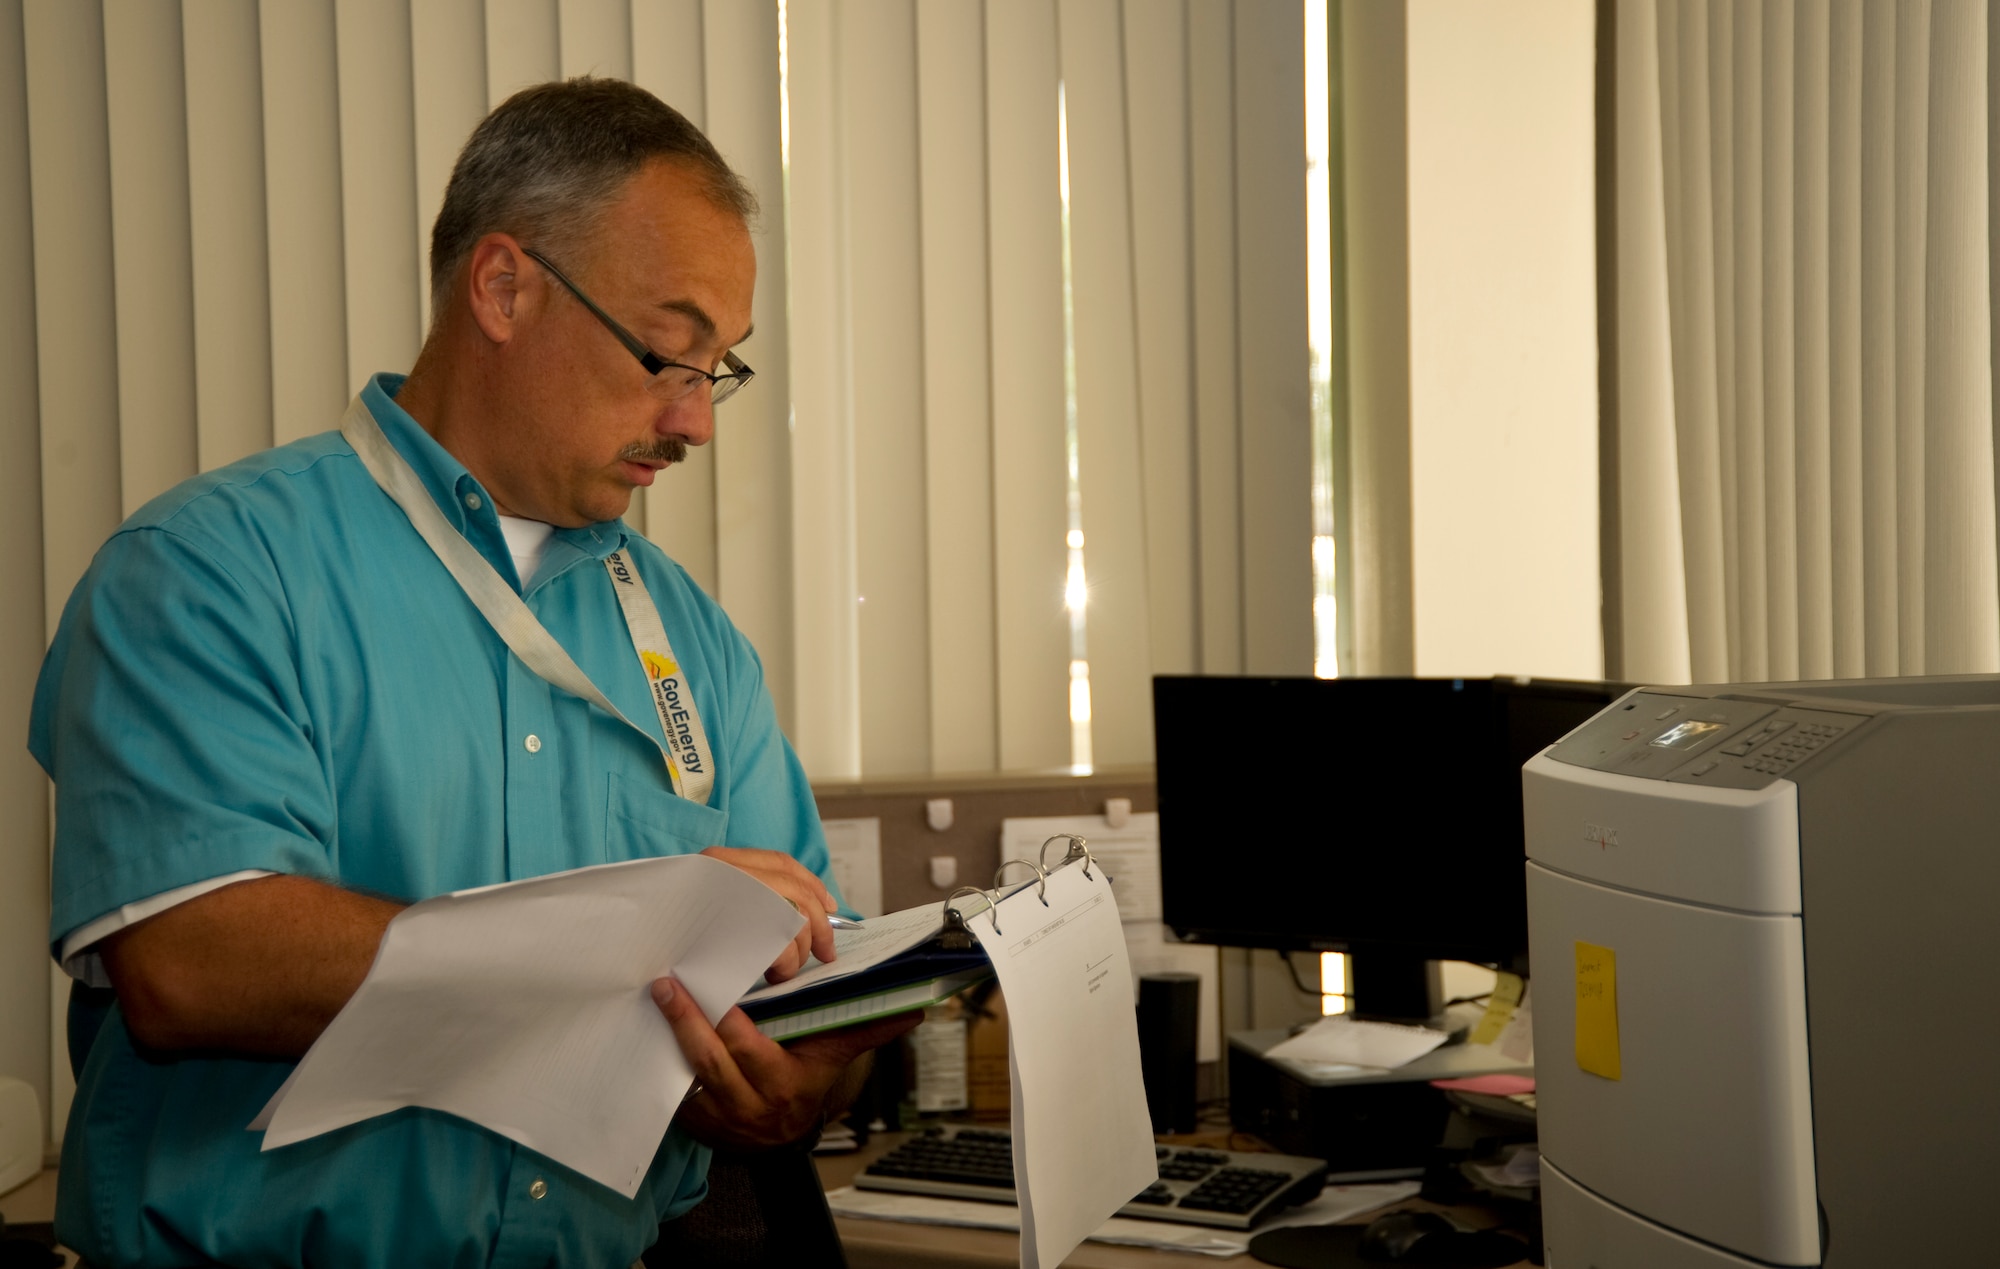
(1169, 1005)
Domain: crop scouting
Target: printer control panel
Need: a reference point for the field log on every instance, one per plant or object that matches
(1781, 744)
(1731, 744)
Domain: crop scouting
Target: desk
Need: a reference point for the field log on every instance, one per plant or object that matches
(34, 1203)
(894, 1245)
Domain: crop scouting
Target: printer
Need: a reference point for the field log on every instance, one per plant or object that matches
(1765, 925)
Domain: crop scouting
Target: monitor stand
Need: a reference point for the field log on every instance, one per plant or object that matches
(1394, 987)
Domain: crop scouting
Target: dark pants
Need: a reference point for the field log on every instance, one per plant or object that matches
(764, 1209)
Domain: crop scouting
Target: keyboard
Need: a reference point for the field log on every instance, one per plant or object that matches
(1196, 1187)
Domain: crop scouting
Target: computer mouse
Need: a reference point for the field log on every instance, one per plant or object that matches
(1396, 1236)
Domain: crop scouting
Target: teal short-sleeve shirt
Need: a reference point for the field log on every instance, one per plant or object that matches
(266, 668)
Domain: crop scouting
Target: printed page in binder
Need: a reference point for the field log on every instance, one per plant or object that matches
(1083, 1142)
(1131, 854)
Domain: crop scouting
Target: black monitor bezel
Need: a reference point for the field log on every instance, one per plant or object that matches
(1504, 946)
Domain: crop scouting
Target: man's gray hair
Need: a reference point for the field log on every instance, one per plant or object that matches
(549, 160)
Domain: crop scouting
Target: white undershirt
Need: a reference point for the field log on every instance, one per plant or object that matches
(527, 541)
(79, 962)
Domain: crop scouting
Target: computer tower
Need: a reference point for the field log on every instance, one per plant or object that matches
(1364, 1123)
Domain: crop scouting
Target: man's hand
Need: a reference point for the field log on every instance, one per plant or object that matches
(792, 880)
(755, 1093)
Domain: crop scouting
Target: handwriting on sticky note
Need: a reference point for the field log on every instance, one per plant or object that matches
(1597, 1011)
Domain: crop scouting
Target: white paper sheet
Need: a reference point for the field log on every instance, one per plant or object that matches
(1350, 1041)
(525, 1007)
(1517, 1040)
(1336, 1203)
(855, 848)
(1131, 854)
(879, 939)
(939, 1047)
(1083, 1142)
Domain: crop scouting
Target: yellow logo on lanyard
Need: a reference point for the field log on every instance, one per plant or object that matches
(657, 666)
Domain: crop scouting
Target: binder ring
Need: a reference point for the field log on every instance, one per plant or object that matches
(974, 891)
(956, 935)
(1041, 886)
(1078, 848)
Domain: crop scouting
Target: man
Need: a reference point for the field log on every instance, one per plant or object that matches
(274, 718)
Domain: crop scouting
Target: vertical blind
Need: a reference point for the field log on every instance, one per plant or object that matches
(1805, 274)
(217, 214)
(231, 206)
(928, 342)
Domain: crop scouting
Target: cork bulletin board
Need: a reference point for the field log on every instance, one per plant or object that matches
(979, 803)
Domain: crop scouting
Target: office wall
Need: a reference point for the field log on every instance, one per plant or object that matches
(24, 877)
(1502, 338)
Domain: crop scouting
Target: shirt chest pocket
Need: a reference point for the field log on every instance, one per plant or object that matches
(646, 819)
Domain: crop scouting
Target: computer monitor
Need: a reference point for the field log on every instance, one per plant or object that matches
(1377, 816)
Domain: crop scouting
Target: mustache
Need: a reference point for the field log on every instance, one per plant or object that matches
(668, 449)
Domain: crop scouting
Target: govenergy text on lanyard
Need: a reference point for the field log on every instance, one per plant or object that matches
(690, 765)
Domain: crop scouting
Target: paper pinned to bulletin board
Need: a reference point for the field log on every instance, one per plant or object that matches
(1131, 854)
(856, 849)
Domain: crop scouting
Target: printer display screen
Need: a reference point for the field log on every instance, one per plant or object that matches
(1685, 735)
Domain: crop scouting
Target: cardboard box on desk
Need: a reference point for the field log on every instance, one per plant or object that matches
(987, 1077)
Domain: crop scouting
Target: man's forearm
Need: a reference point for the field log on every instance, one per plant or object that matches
(260, 967)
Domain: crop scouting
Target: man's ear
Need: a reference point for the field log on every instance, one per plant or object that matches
(501, 287)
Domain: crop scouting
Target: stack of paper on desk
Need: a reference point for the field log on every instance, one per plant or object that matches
(1352, 1042)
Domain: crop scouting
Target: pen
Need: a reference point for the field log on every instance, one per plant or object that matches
(842, 923)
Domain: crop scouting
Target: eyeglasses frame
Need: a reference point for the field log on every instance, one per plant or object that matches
(721, 387)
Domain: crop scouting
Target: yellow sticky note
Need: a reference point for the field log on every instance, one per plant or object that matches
(1500, 1009)
(1597, 1010)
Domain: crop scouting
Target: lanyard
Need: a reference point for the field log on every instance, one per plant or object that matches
(690, 766)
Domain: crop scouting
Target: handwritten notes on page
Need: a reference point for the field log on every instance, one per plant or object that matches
(525, 1007)
(1083, 1141)
(1597, 1011)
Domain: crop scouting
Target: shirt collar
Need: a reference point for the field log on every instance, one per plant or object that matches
(458, 493)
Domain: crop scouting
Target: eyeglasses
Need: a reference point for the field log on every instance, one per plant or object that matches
(671, 379)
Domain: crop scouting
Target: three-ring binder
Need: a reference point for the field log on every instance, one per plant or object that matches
(1079, 849)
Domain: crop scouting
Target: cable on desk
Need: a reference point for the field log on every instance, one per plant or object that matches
(1300, 983)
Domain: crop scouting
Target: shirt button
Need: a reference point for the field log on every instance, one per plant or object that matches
(534, 743)
(472, 502)
(539, 1190)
